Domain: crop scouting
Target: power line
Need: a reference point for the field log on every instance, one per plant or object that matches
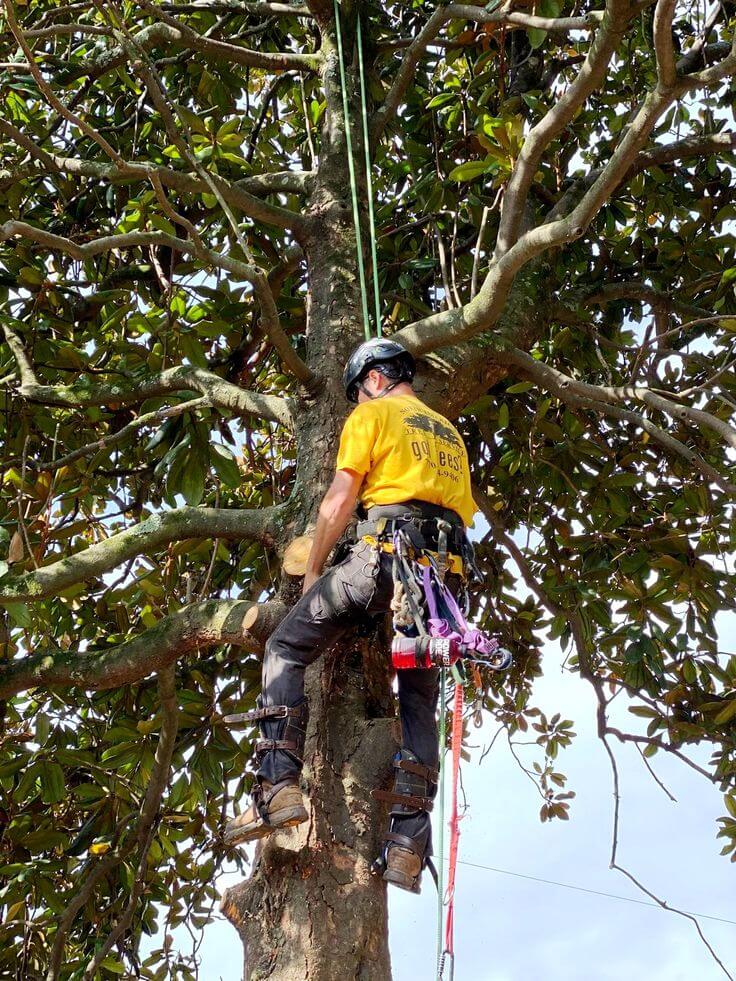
(594, 892)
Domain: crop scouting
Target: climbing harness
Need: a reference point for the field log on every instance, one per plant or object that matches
(450, 638)
(430, 631)
(353, 180)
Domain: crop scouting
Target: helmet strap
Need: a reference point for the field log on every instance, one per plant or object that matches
(380, 395)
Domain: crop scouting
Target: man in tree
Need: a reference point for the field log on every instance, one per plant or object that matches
(409, 467)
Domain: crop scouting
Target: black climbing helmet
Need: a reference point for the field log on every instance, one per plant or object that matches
(371, 354)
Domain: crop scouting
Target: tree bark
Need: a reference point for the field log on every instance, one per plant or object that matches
(311, 910)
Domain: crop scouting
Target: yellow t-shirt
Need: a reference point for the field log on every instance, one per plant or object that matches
(406, 450)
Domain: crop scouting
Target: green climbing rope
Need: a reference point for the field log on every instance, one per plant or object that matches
(369, 182)
(353, 181)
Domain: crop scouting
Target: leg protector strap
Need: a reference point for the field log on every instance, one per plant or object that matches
(283, 728)
(414, 786)
(418, 769)
(266, 745)
(404, 841)
(255, 715)
(405, 800)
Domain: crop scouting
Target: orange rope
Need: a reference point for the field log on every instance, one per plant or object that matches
(454, 822)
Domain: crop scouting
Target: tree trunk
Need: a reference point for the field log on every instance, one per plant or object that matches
(311, 910)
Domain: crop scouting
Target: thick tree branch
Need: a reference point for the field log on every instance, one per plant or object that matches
(146, 537)
(590, 77)
(257, 9)
(172, 33)
(701, 48)
(512, 18)
(694, 146)
(182, 378)
(250, 273)
(663, 47)
(405, 74)
(242, 195)
(197, 627)
(606, 400)
(483, 311)
(659, 156)
(547, 375)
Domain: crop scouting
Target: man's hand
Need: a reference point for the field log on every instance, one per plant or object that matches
(310, 578)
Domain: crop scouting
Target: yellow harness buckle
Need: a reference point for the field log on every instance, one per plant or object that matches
(454, 562)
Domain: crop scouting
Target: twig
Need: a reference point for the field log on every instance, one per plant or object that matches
(145, 829)
(614, 865)
(654, 776)
(147, 419)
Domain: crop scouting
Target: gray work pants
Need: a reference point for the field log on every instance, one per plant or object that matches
(328, 609)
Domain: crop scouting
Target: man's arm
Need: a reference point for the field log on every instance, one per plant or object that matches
(335, 512)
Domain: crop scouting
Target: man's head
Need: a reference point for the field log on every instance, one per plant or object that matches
(375, 368)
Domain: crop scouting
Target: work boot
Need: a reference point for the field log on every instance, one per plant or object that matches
(273, 806)
(403, 868)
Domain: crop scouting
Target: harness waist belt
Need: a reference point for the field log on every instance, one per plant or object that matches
(420, 516)
(414, 508)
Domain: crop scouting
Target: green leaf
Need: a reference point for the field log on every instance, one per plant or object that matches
(443, 99)
(727, 713)
(30, 276)
(113, 965)
(43, 841)
(503, 416)
(52, 783)
(193, 480)
(192, 349)
(471, 170)
(19, 614)
(225, 465)
(643, 712)
(536, 36)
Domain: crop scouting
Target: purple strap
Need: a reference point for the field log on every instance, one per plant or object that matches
(473, 638)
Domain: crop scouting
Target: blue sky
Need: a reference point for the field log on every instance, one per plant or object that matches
(509, 928)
